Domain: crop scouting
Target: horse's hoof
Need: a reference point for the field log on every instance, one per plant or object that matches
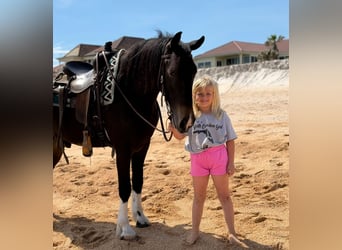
(142, 225)
(125, 234)
(128, 237)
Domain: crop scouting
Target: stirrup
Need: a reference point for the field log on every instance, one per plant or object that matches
(87, 149)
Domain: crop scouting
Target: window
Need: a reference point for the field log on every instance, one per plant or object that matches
(245, 59)
(207, 64)
(231, 61)
(254, 59)
(218, 64)
(204, 65)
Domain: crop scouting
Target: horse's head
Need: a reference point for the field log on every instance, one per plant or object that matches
(179, 73)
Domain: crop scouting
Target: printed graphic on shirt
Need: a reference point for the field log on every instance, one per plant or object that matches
(206, 133)
(203, 130)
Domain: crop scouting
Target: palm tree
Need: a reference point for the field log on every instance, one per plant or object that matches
(273, 52)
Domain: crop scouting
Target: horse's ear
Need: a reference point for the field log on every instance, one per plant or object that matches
(197, 43)
(176, 39)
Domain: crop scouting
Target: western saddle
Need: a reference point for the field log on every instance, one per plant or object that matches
(79, 86)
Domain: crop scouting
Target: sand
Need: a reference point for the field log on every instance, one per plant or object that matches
(86, 202)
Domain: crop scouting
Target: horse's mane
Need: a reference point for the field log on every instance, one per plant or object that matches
(162, 34)
(143, 61)
(150, 45)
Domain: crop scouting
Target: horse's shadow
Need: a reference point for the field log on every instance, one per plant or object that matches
(90, 234)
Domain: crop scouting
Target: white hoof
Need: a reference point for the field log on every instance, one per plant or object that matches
(123, 229)
(125, 232)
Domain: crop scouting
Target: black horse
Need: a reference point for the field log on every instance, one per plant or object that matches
(163, 64)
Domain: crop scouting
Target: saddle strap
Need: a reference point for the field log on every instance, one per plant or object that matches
(60, 120)
(81, 107)
(61, 100)
(97, 91)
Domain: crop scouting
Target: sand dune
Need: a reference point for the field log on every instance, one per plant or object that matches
(85, 197)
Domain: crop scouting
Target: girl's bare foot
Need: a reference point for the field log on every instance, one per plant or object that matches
(192, 238)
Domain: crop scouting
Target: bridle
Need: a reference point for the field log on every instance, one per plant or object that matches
(162, 90)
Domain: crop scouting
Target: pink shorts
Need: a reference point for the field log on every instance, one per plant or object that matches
(212, 161)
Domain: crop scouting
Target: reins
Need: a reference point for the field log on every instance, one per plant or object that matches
(160, 78)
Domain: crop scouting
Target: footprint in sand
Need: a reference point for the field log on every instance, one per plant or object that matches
(282, 147)
(248, 131)
(78, 179)
(162, 165)
(274, 187)
(260, 219)
(165, 171)
(88, 236)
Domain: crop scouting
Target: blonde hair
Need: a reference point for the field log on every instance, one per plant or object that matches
(203, 82)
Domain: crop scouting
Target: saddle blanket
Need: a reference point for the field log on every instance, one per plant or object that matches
(107, 95)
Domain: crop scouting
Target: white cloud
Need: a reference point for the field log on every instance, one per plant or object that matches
(58, 51)
(55, 62)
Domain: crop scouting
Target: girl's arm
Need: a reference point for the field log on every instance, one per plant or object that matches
(176, 133)
(230, 145)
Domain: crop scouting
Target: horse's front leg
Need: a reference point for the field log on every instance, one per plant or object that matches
(137, 210)
(137, 179)
(123, 229)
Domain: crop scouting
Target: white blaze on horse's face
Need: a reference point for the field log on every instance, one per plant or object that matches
(180, 71)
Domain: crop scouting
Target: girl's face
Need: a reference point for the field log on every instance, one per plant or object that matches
(204, 98)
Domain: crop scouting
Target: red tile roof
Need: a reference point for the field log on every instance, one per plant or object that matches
(237, 47)
(283, 46)
(81, 50)
(122, 43)
(85, 50)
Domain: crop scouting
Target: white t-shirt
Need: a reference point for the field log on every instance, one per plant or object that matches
(208, 131)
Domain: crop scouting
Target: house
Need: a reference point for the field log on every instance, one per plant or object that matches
(78, 53)
(236, 52)
(87, 52)
(122, 43)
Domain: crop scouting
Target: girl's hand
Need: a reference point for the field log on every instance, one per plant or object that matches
(170, 127)
(175, 132)
(231, 169)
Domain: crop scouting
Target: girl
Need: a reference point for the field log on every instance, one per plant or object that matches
(211, 145)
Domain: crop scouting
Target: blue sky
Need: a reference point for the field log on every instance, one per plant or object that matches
(220, 21)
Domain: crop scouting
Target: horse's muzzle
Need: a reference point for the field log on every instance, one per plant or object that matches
(186, 123)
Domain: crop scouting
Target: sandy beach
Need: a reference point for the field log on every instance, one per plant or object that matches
(85, 192)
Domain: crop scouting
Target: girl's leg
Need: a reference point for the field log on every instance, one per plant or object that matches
(200, 184)
(221, 183)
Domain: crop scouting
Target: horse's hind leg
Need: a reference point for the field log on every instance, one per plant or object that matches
(137, 179)
(57, 151)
